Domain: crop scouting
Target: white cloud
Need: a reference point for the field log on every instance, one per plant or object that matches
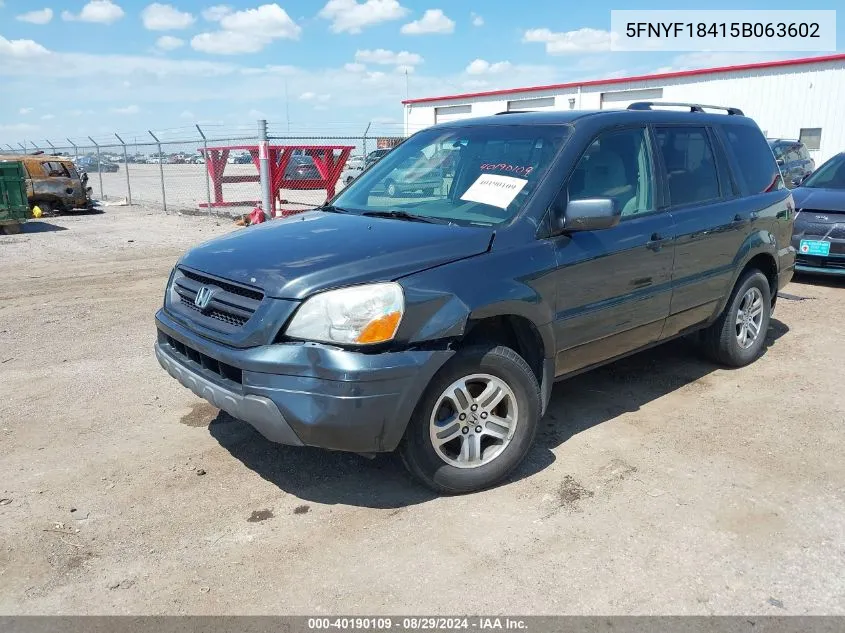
(25, 110)
(100, 11)
(386, 57)
(475, 84)
(477, 20)
(432, 21)
(349, 16)
(18, 127)
(130, 109)
(186, 114)
(320, 108)
(248, 31)
(169, 43)
(165, 17)
(270, 69)
(307, 96)
(217, 12)
(41, 16)
(374, 76)
(21, 49)
(313, 96)
(47, 117)
(483, 67)
(355, 67)
(569, 42)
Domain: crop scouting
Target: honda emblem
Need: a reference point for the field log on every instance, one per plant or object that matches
(203, 298)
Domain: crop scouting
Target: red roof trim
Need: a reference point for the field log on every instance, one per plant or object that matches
(619, 80)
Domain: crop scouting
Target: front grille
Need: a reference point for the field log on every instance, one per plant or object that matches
(225, 317)
(230, 307)
(189, 355)
(234, 289)
(837, 263)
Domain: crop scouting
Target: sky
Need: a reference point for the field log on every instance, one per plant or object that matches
(75, 69)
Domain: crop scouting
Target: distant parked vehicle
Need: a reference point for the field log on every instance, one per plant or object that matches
(302, 168)
(793, 159)
(377, 155)
(242, 159)
(91, 164)
(819, 232)
(413, 174)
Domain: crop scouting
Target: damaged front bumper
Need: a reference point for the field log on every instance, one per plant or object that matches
(303, 393)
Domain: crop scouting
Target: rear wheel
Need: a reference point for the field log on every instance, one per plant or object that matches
(46, 207)
(738, 335)
(475, 423)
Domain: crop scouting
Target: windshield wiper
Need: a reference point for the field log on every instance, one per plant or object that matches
(330, 208)
(399, 215)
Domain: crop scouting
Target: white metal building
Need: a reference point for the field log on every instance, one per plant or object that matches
(795, 98)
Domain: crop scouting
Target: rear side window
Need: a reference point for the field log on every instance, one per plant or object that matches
(754, 158)
(690, 166)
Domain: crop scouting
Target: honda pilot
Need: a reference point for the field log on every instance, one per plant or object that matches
(436, 320)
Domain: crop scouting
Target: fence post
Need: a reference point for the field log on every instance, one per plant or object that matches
(75, 151)
(160, 169)
(126, 164)
(205, 158)
(264, 168)
(365, 142)
(53, 147)
(12, 149)
(37, 149)
(99, 170)
(23, 147)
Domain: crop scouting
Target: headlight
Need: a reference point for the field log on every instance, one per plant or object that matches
(360, 315)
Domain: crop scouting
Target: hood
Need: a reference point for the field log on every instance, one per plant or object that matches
(297, 256)
(819, 199)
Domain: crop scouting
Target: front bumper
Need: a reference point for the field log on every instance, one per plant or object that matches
(304, 393)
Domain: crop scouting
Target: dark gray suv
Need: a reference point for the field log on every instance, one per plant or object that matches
(437, 322)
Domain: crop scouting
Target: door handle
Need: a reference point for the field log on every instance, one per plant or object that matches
(656, 242)
(738, 219)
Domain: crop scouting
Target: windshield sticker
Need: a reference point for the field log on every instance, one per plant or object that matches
(495, 190)
(519, 170)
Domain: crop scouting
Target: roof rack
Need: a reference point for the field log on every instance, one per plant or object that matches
(513, 112)
(693, 107)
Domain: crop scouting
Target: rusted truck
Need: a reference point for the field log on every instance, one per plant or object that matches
(52, 182)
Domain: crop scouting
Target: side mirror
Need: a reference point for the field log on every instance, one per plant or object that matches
(590, 214)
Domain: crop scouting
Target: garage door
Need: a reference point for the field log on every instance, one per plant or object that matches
(621, 99)
(452, 113)
(537, 103)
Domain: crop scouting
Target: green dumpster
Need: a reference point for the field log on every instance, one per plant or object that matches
(14, 208)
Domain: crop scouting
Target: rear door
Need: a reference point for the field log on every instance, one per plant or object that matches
(614, 285)
(711, 222)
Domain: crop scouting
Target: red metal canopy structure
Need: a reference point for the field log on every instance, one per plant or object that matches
(329, 160)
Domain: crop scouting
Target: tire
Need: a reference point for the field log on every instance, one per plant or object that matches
(390, 188)
(349, 179)
(10, 229)
(722, 340)
(495, 456)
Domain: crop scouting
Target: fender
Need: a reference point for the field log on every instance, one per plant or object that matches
(760, 242)
(443, 301)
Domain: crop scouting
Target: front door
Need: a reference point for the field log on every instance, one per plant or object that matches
(614, 285)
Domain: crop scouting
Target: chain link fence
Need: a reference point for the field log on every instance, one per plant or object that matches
(216, 173)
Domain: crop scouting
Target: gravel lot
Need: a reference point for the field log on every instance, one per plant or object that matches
(660, 484)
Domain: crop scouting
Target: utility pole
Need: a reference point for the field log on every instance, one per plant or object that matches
(264, 169)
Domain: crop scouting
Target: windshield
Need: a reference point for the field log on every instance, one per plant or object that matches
(831, 175)
(467, 175)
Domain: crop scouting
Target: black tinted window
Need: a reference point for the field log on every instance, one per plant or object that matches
(690, 167)
(756, 163)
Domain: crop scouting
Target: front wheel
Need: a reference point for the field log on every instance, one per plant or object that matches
(475, 422)
(738, 335)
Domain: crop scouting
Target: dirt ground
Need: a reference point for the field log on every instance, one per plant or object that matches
(659, 484)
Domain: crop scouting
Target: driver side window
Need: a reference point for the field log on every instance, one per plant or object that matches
(616, 165)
